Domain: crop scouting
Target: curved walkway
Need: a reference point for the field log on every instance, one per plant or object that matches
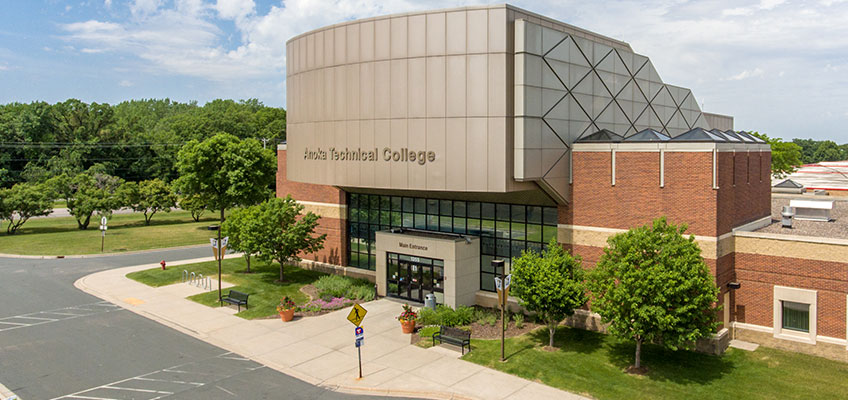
(320, 350)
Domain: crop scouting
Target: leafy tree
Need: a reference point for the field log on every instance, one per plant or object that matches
(785, 156)
(193, 204)
(651, 285)
(241, 227)
(284, 231)
(550, 284)
(148, 197)
(22, 202)
(808, 149)
(827, 150)
(225, 171)
(87, 193)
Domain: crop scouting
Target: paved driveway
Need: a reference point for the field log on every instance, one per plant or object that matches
(58, 342)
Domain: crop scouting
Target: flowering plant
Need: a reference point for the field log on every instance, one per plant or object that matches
(286, 303)
(407, 315)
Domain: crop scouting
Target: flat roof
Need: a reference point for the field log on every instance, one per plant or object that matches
(837, 228)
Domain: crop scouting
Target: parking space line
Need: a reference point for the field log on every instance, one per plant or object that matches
(117, 385)
(70, 313)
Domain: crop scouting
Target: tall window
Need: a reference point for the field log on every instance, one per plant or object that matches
(796, 316)
(505, 230)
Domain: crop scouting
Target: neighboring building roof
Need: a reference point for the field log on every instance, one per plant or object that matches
(699, 135)
(647, 135)
(603, 135)
(789, 183)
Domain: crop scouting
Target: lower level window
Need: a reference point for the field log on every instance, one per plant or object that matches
(796, 316)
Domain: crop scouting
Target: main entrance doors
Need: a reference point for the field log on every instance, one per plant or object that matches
(410, 277)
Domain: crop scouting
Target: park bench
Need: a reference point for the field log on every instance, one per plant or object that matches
(455, 336)
(237, 298)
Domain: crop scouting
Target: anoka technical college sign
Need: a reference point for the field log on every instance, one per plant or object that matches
(387, 154)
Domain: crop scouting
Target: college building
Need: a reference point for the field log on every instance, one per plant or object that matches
(432, 143)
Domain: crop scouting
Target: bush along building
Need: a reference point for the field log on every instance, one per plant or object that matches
(432, 143)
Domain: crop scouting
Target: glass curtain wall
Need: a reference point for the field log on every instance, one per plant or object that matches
(504, 229)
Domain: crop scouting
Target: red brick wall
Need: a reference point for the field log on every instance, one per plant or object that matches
(335, 246)
(637, 198)
(744, 193)
(305, 191)
(758, 275)
(687, 196)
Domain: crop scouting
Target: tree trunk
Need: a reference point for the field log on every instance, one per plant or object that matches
(638, 352)
(551, 332)
(247, 256)
(84, 225)
(281, 271)
(147, 219)
(222, 217)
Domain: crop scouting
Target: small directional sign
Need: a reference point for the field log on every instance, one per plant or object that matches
(503, 288)
(357, 313)
(358, 342)
(359, 332)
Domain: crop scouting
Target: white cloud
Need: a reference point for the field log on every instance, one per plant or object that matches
(92, 51)
(4, 67)
(235, 9)
(107, 3)
(144, 7)
(770, 4)
(125, 83)
(738, 11)
(753, 73)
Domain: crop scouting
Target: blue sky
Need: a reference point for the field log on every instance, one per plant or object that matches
(777, 66)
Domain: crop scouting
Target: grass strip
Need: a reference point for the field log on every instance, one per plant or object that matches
(593, 364)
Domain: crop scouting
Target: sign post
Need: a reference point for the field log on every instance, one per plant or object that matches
(502, 285)
(103, 227)
(356, 315)
(219, 247)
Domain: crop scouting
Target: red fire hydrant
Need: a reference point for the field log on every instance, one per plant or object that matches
(162, 263)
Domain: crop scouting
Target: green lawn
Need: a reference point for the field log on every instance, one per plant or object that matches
(265, 292)
(127, 232)
(592, 364)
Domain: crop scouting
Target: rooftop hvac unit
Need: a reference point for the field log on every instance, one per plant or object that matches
(786, 216)
(812, 210)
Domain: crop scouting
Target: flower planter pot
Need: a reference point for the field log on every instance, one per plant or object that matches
(407, 326)
(287, 315)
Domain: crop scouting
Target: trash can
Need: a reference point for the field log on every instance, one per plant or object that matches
(430, 301)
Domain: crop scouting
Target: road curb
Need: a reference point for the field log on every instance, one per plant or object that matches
(77, 256)
(82, 285)
(6, 394)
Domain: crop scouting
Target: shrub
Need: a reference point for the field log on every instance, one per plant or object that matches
(519, 320)
(446, 316)
(331, 286)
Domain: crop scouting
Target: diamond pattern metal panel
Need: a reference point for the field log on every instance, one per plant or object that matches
(585, 87)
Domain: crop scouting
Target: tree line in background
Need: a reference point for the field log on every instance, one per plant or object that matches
(218, 173)
(786, 157)
(134, 140)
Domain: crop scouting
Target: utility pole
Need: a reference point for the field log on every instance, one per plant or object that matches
(502, 294)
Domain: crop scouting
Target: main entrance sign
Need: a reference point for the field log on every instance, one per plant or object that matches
(387, 154)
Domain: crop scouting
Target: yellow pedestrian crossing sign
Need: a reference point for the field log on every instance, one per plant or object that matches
(357, 313)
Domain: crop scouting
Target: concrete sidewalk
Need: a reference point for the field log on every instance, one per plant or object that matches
(320, 350)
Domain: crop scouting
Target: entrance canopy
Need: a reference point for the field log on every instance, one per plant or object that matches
(412, 263)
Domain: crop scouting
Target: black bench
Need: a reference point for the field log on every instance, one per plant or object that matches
(237, 298)
(455, 336)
